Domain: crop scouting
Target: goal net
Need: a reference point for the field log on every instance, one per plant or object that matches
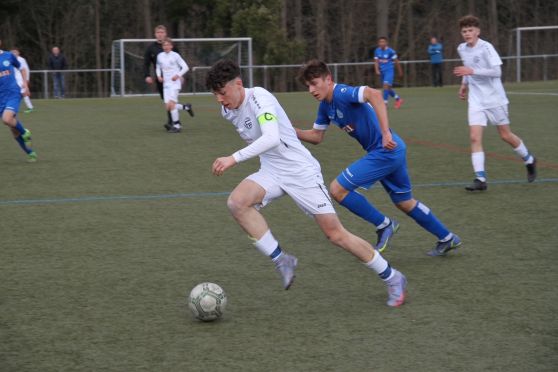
(127, 61)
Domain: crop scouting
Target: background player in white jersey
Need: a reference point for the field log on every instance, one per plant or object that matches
(170, 70)
(23, 74)
(287, 167)
(487, 99)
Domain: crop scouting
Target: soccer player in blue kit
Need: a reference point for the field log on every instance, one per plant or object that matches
(10, 98)
(385, 60)
(361, 112)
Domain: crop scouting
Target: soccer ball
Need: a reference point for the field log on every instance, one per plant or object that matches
(207, 301)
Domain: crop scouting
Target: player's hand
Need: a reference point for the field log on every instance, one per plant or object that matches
(220, 165)
(149, 80)
(175, 78)
(160, 78)
(463, 92)
(463, 71)
(388, 142)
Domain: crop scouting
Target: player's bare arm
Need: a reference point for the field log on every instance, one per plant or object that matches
(313, 136)
(374, 97)
(399, 69)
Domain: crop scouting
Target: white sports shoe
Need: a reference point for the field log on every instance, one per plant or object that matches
(285, 265)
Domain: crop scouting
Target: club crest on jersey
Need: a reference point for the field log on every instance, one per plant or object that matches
(6, 63)
(343, 90)
(339, 114)
(248, 123)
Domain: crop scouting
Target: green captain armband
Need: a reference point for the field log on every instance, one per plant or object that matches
(266, 118)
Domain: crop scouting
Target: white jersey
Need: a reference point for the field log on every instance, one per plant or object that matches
(18, 75)
(289, 159)
(168, 65)
(484, 91)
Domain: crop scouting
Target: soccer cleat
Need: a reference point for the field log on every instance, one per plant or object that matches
(397, 289)
(385, 234)
(532, 170)
(32, 157)
(175, 129)
(398, 103)
(167, 126)
(442, 248)
(477, 185)
(188, 107)
(28, 111)
(26, 136)
(285, 265)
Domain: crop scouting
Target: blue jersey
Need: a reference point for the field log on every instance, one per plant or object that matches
(385, 58)
(8, 83)
(348, 111)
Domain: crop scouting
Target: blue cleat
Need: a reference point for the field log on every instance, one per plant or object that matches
(442, 248)
(385, 234)
(397, 289)
(285, 265)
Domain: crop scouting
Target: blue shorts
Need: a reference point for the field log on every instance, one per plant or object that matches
(388, 167)
(387, 77)
(10, 102)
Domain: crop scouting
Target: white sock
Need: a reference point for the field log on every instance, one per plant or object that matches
(477, 159)
(379, 265)
(179, 106)
(267, 243)
(522, 151)
(384, 224)
(174, 115)
(28, 103)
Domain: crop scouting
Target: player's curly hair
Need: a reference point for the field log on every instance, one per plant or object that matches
(313, 69)
(469, 21)
(221, 73)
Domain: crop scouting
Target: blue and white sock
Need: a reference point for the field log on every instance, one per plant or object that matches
(381, 267)
(425, 218)
(522, 151)
(360, 206)
(22, 144)
(269, 246)
(477, 158)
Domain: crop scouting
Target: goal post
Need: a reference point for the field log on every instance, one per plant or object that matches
(128, 54)
(518, 31)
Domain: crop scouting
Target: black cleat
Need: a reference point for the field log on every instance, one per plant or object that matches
(188, 107)
(477, 185)
(174, 129)
(532, 170)
(168, 126)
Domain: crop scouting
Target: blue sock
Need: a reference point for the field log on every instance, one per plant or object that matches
(386, 94)
(425, 218)
(386, 273)
(24, 147)
(481, 175)
(20, 128)
(360, 206)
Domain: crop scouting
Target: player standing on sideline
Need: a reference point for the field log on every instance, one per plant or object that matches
(361, 113)
(287, 167)
(23, 74)
(170, 69)
(385, 58)
(149, 59)
(10, 98)
(487, 99)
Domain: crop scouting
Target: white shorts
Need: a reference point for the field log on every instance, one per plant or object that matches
(312, 197)
(170, 94)
(496, 116)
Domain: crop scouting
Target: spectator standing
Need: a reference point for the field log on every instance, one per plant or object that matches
(436, 52)
(57, 62)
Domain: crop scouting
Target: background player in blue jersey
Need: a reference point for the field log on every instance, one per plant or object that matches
(385, 60)
(361, 112)
(10, 98)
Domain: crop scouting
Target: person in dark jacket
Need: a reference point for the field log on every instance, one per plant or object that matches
(57, 62)
(150, 59)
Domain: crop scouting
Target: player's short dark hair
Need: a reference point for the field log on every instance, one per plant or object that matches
(383, 38)
(221, 73)
(313, 69)
(469, 21)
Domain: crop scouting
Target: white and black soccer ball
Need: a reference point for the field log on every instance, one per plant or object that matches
(207, 301)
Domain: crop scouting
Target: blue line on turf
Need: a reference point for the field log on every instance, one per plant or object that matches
(211, 194)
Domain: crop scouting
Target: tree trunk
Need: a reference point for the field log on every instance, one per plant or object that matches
(148, 29)
(98, 63)
(382, 13)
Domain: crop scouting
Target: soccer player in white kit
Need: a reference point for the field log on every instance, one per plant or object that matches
(23, 75)
(170, 70)
(287, 167)
(487, 99)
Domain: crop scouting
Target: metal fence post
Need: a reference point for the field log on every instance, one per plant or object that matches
(45, 87)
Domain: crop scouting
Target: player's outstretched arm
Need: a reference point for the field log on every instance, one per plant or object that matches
(313, 136)
(375, 98)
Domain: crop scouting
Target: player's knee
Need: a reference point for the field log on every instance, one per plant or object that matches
(236, 204)
(337, 235)
(337, 191)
